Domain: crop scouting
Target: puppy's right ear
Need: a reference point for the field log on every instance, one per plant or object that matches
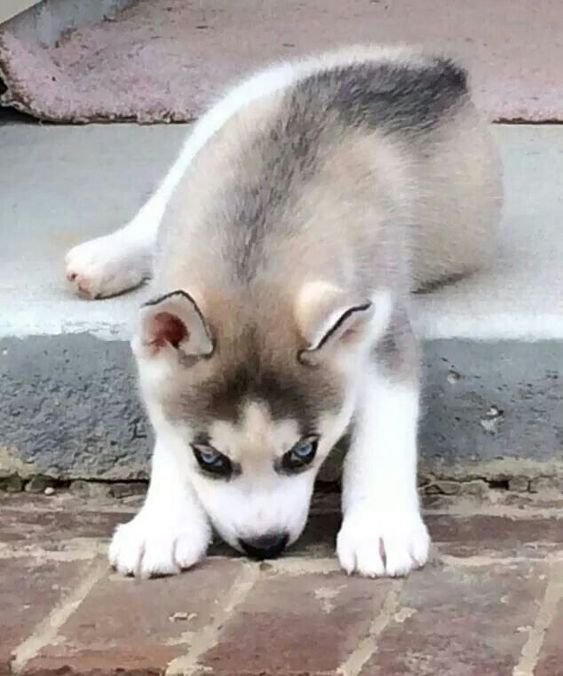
(332, 320)
(173, 324)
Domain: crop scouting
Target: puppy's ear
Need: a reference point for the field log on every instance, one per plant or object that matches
(174, 324)
(329, 318)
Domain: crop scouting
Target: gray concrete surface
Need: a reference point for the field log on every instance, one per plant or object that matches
(70, 410)
(493, 344)
(59, 186)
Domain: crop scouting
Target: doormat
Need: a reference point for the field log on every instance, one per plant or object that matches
(167, 60)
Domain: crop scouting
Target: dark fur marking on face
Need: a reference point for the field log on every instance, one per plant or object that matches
(389, 96)
(201, 438)
(286, 397)
(289, 390)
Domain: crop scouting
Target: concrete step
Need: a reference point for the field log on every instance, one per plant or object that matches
(493, 344)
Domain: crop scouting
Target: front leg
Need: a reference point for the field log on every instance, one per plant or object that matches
(171, 532)
(382, 531)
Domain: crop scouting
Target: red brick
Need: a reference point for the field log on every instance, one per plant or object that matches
(127, 626)
(29, 590)
(482, 534)
(460, 621)
(50, 528)
(297, 625)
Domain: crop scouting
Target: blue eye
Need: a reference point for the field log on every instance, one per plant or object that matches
(211, 461)
(301, 455)
(303, 450)
(209, 456)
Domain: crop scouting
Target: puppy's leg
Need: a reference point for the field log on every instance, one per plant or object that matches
(382, 530)
(109, 265)
(171, 532)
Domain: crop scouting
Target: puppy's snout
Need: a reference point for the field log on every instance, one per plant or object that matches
(266, 546)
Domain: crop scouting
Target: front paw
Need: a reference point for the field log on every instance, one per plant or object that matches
(154, 544)
(374, 543)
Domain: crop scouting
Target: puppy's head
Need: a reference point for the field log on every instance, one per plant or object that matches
(257, 398)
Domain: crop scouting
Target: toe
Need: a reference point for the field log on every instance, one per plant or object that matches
(187, 553)
(158, 558)
(346, 555)
(398, 561)
(83, 287)
(420, 548)
(370, 562)
(126, 560)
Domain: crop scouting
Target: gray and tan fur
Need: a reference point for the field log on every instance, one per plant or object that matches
(300, 216)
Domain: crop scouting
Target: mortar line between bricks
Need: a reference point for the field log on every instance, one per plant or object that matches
(297, 565)
(368, 645)
(73, 551)
(47, 629)
(532, 648)
(209, 635)
(501, 511)
(477, 561)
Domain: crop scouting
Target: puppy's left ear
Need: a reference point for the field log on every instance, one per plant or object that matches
(174, 325)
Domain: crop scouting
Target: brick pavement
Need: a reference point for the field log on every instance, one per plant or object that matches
(490, 603)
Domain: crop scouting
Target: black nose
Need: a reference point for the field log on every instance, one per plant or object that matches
(266, 546)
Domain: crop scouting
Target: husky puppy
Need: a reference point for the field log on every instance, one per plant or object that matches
(284, 244)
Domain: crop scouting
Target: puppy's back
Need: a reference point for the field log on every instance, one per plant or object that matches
(359, 158)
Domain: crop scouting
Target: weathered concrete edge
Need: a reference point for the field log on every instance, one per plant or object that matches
(70, 410)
